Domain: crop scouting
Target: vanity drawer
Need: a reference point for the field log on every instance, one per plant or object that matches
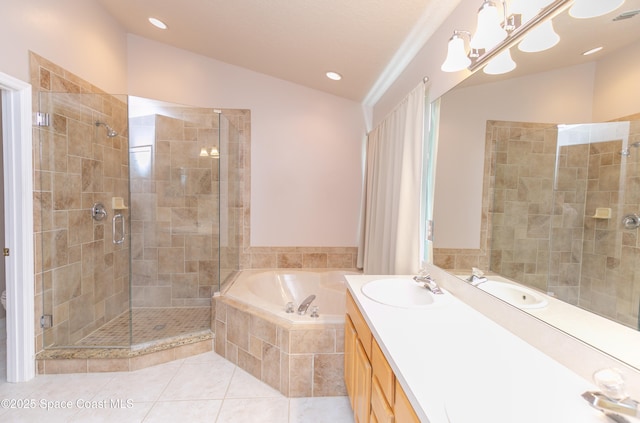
(382, 371)
(364, 334)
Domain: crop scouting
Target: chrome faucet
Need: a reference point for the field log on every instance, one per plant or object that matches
(477, 277)
(613, 408)
(429, 283)
(304, 305)
(613, 400)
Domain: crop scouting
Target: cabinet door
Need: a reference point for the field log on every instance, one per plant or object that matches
(362, 391)
(380, 408)
(402, 408)
(350, 340)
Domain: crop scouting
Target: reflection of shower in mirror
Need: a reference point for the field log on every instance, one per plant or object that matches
(110, 131)
(627, 151)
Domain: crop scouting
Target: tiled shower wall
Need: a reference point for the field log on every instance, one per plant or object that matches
(82, 278)
(174, 209)
(522, 200)
(551, 240)
(610, 268)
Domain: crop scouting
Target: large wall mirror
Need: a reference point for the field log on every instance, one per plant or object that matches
(538, 177)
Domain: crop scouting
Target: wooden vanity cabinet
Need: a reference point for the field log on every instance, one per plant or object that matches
(374, 392)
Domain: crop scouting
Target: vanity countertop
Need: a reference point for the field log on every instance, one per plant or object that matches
(458, 366)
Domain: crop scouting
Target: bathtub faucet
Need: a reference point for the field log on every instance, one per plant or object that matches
(302, 309)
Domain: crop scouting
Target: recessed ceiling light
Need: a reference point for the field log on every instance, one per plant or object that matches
(158, 23)
(593, 50)
(334, 75)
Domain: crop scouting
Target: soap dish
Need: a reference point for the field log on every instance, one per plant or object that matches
(602, 213)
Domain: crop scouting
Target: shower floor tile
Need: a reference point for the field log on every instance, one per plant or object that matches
(149, 324)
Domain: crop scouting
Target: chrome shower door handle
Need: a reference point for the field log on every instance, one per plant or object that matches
(117, 239)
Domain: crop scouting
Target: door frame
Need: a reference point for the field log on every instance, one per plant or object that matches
(19, 230)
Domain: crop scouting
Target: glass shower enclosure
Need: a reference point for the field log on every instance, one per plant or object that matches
(566, 212)
(128, 231)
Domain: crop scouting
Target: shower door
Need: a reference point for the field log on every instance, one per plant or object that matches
(175, 233)
(128, 194)
(82, 245)
(595, 238)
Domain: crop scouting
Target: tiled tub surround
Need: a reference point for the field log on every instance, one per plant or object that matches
(302, 358)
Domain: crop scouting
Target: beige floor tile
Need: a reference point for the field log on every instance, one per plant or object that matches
(141, 385)
(320, 410)
(184, 411)
(244, 385)
(135, 413)
(205, 388)
(263, 410)
(199, 381)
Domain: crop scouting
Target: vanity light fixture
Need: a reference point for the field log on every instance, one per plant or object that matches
(158, 23)
(334, 76)
(540, 38)
(529, 18)
(214, 153)
(502, 63)
(457, 58)
(490, 30)
(584, 9)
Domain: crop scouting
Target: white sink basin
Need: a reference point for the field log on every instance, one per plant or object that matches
(402, 292)
(515, 295)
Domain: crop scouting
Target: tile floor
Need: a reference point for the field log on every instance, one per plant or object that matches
(149, 324)
(202, 388)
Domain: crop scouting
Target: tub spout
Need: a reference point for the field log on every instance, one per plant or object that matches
(302, 309)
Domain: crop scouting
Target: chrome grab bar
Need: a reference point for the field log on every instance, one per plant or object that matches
(119, 240)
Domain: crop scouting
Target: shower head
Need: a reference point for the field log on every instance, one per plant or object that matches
(627, 151)
(110, 131)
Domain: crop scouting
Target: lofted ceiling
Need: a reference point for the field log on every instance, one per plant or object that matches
(295, 40)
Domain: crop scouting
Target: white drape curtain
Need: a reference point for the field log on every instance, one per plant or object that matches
(390, 238)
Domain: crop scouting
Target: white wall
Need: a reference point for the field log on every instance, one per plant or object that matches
(77, 35)
(306, 146)
(428, 61)
(617, 85)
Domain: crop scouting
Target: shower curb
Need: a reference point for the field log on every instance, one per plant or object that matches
(90, 360)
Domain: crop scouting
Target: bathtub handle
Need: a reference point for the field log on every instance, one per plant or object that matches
(118, 240)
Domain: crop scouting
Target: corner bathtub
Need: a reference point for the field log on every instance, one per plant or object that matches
(271, 290)
(301, 356)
